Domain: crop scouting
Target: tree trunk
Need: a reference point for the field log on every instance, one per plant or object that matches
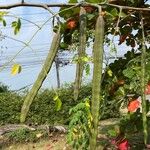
(41, 77)
(97, 77)
(81, 53)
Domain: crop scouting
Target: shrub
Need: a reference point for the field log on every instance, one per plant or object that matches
(25, 135)
(42, 110)
(3, 88)
(10, 106)
(79, 126)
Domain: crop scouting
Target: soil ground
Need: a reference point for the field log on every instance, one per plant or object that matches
(59, 142)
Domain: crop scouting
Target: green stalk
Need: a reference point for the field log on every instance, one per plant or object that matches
(143, 63)
(97, 77)
(81, 53)
(41, 77)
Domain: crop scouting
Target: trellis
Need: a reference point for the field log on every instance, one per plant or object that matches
(97, 61)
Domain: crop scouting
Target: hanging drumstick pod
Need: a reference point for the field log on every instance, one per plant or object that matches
(42, 75)
(143, 89)
(81, 53)
(97, 77)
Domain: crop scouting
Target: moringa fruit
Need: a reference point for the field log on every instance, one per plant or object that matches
(42, 76)
(81, 53)
(97, 78)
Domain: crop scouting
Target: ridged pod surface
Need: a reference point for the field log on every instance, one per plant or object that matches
(97, 77)
(41, 77)
(81, 53)
(143, 96)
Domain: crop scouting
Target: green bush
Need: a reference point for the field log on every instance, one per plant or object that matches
(3, 88)
(42, 110)
(10, 106)
(79, 126)
(25, 135)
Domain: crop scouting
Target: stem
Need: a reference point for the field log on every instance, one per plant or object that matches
(97, 77)
(144, 111)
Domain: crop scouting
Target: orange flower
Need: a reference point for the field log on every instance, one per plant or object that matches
(133, 105)
(71, 24)
(147, 90)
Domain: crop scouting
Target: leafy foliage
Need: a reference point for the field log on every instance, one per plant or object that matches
(16, 25)
(79, 126)
(43, 108)
(3, 88)
(2, 14)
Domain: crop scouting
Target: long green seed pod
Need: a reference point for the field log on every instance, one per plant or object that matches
(97, 77)
(41, 77)
(81, 53)
(144, 110)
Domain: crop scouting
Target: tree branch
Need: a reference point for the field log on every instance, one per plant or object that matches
(9, 6)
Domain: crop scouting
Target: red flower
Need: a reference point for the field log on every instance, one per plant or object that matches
(124, 145)
(133, 105)
(147, 90)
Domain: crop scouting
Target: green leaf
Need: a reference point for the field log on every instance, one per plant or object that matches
(123, 14)
(65, 13)
(15, 31)
(55, 97)
(63, 45)
(114, 12)
(58, 104)
(95, 1)
(85, 59)
(73, 1)
(13, 24)
(87, 69)
(112, 133)
(15, 69)
(3, 13)
(129, 73)
(4, 23)
(16, 25)
(90, 16)
(109, 72)
(19, 24)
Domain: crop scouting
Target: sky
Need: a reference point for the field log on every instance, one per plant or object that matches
(31, 60)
